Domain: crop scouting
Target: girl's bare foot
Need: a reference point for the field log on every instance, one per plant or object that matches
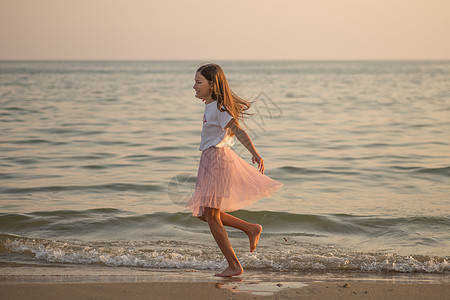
(253, 236)
(228, 272)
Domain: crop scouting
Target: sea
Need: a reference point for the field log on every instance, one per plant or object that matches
(99, 158)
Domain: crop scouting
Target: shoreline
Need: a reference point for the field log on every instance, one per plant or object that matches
(69, 273)
(228, 290)
(99, 282)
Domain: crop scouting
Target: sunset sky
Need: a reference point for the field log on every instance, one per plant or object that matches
(263, 29)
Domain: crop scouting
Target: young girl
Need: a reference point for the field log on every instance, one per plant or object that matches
(225, 182)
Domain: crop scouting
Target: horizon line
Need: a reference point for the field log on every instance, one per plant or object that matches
(241, 59)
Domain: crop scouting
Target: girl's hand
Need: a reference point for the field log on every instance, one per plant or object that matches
(243, 137)
(260, 162)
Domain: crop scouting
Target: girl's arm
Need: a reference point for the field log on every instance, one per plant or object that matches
(243, 137)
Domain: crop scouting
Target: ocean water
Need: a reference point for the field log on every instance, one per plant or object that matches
(98, 159)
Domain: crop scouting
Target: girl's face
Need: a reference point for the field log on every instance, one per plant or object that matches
(202, 88)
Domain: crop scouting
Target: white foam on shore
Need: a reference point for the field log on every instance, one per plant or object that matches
(310, 258)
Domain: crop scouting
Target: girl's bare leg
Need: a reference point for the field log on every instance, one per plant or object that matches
(212, 216)
(253, 231)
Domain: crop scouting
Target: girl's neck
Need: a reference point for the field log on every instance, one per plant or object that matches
(208, 101)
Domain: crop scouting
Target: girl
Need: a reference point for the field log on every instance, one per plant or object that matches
(225, 182)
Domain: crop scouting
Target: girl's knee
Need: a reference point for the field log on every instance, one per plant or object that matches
(202, 218)
(211, 214)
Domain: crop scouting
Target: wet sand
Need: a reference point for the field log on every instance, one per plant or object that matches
(210, 290)
(66, 281)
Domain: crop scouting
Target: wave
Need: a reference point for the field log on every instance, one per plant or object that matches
(92, 188)
(444, 171)
(188, 255)
(425, 235)
(305, 171)
(34, 141)
(274, 222)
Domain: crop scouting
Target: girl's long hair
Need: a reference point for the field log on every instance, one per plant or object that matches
(221, 92)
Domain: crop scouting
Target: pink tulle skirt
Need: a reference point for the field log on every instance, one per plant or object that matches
(227, 182)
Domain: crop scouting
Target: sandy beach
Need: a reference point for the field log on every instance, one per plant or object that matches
(210, 290)
(98, 282)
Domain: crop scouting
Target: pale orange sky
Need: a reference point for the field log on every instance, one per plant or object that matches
(202, 30)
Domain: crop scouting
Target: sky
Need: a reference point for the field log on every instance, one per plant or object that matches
(225, 30)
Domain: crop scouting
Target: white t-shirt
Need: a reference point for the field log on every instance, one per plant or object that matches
(213, 132)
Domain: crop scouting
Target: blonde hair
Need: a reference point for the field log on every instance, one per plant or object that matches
(221, 92)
